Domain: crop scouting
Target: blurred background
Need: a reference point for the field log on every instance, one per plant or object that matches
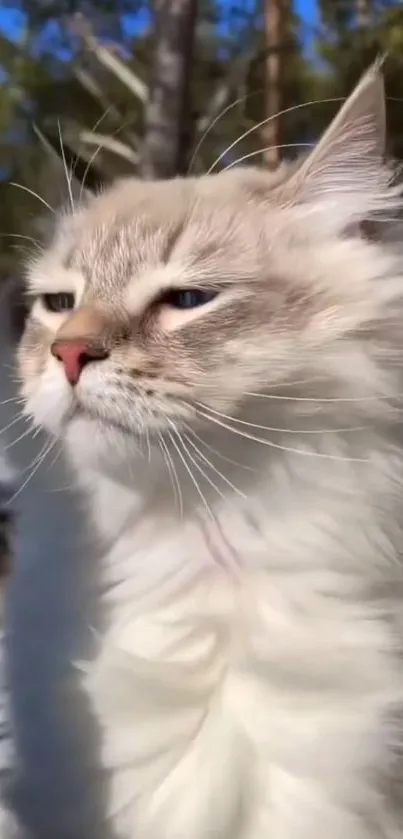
(165, 87)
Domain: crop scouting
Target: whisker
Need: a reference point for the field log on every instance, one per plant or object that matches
(266, 121)
(87, 169)
(14, 421)
(34, 460)
(323, 399)
(34, 194)
(201, 470)
(148, 444)
(8, 366)
(96, 153)
(293, 382)
(215, 451)
(217, 119)
(54, 459)
(22, 236)
(217, 471)
(172, 473)
(24, 434)
(270, 444)
(31, 474)
(96, 125)
(37, 456)
(261, 151)
(16, 399)
(186, 465)
(68, 177)
(282, 430)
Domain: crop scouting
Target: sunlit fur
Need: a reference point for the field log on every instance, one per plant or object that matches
(206, 628)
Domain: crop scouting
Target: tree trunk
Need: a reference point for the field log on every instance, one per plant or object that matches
(363, 13)
(276, 16)
(167, 122)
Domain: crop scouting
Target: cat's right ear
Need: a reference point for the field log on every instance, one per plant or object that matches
(346, 181)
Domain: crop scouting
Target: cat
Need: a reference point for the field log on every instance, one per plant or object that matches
(205, 618)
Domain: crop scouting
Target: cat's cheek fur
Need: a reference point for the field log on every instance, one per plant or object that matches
(48, 404)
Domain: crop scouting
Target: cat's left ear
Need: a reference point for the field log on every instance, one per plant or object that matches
(346, 177)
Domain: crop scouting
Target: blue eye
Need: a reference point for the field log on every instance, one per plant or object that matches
(188, 298)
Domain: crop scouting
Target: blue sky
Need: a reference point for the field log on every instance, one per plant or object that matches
(307, 9)
(11, 21)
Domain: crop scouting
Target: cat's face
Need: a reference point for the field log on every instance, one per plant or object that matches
(154, 300)
(157, 304)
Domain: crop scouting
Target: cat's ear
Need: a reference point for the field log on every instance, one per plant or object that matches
(346, 175)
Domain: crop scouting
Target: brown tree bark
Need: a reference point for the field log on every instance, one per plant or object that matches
(276, 16)
(167, 122)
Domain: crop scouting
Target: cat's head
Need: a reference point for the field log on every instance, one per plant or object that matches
(158, 304)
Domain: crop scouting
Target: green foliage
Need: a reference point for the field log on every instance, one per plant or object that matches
(88, 78)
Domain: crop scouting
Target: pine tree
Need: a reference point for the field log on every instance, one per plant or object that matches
(276, 18)
(167, 122)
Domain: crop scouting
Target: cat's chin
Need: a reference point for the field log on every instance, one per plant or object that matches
(100, 446)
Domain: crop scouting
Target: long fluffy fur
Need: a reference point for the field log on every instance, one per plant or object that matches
(232, 669)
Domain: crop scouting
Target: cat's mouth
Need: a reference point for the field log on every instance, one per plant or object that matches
(137, 418)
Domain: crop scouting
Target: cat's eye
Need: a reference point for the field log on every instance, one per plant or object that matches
(60, 301)
(187, 298)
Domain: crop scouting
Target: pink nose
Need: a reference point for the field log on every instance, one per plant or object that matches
(75, 354)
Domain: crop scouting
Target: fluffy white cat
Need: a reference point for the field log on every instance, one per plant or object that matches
(205, 620)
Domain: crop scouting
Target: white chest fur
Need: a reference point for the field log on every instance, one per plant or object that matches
(244, 674)
(238, 698)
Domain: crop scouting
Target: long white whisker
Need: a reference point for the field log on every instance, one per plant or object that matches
(148, 444)
(266, 121)
(276, 446)
(31, 474)
(38, 456)
(96, 153)
(217, 471)
(172, 473)
(68, 177)
(17, 399)
(55, 457)
(33, 461)
(281, 430)
(34, 194)
(215, 451)
(94, 128)
(22, 236)
(14, 421)
(217, 119)
(200, 469)
(323, 399)
(87, 169)
(186, 465)
(26, 433)
(261, 151)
